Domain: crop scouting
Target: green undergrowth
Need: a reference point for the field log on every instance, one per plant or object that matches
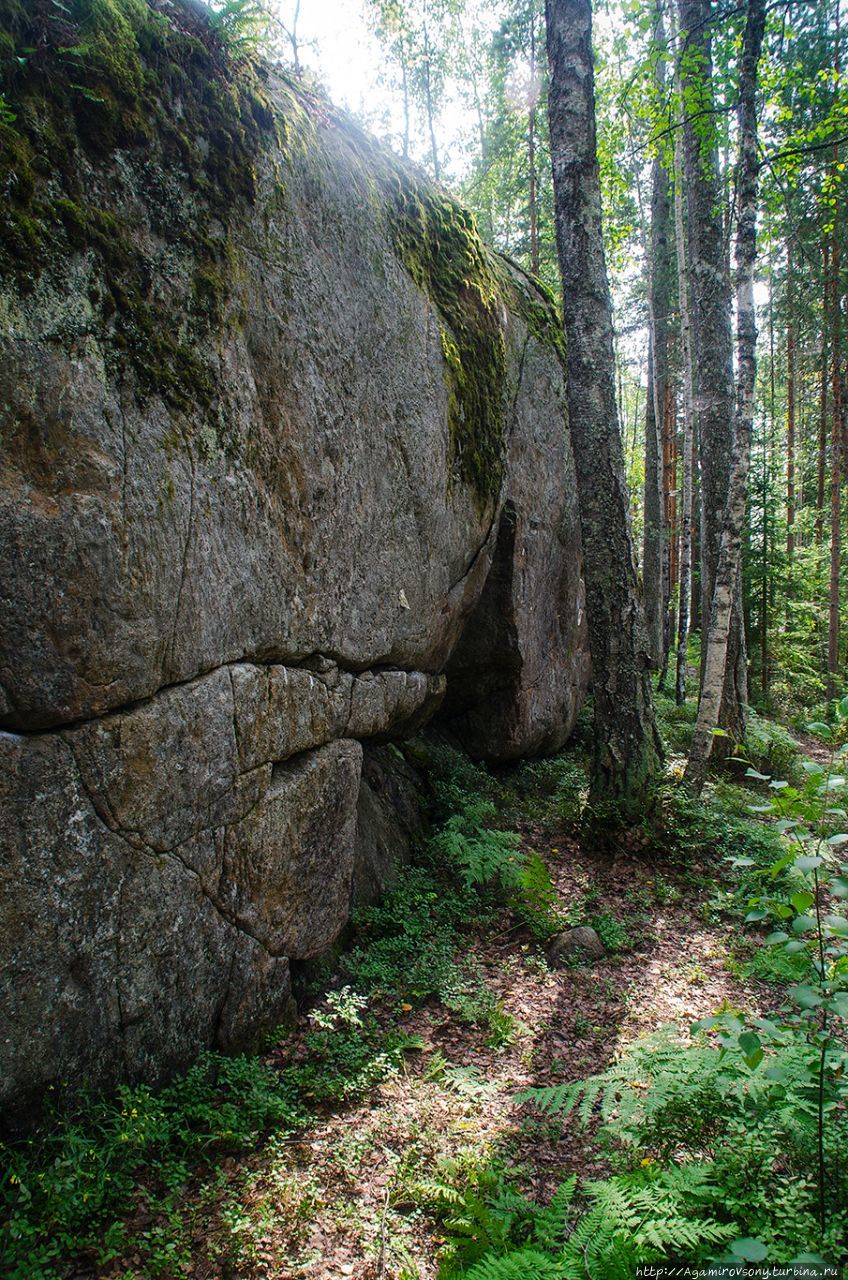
(67, 1190)
(725, 1139)
(712, 1139)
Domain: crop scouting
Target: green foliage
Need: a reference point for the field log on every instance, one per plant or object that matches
(481, 854)
(716, 832)
(93, 1156)
(608, 1229)
(240, 25)
(612, 933)
(771, 747)
(346, 1052)
(552, 789)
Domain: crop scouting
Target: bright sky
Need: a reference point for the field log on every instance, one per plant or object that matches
(339, 47)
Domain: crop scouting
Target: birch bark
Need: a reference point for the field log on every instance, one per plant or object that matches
(727, 570)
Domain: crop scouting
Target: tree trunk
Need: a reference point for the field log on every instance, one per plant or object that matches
(531, 156)
(688, 432)
(430, 105)
(835, 471)
(712, 336)
(821, 452)
(405, 83)
(627, 751)
(837, 433)
(791, 360)
(652, 536)
(717, 656)
(655, 549)
(670, 560)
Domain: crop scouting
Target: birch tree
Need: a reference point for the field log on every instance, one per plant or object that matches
(728, 566)
(655, 577)
(712, 334)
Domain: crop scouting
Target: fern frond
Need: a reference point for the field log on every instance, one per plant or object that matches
(551, 1223)
(526, 1264)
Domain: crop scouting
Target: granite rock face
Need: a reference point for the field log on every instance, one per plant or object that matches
(284, 468)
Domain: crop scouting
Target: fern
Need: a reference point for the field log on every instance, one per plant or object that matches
(662, 1094)
(629, 1220)
(526, 1264)
(536, 901)
(552, 1221)
(637, 1219)
(479, 853)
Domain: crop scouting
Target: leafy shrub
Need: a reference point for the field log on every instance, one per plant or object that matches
(771, 747)
(552, 790)
(346, 1051)
(612, 933)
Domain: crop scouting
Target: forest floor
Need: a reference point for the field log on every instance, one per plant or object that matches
(345, 1196)
(337, 1144)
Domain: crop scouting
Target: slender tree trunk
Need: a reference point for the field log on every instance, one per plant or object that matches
(727, 571)
(405, 83)
(627, 753)
(712, 336)
(697, 522)
(668, 437)
(294, 41)
(652, 536)
(835, 471)
(688, 432)
(655, 548)
(791, 360)
(531, 157)
(430, 105)
(822, 440)
(837, 432)
(685, 563)
(765, 674)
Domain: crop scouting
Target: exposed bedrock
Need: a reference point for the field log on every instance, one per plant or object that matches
(285, 467)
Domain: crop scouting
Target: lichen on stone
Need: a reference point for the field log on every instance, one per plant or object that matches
(89, 82)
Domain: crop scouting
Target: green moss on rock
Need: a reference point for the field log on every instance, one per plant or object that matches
(437, 242)
(93, 78)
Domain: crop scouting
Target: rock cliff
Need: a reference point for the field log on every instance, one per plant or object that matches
(284, 467)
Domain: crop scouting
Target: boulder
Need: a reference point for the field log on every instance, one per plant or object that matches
(581, 943)
(285, 468)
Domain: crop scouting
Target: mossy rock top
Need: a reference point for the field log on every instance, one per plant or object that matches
(86, 81)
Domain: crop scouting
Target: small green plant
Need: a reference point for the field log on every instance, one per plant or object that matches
(62, 1188)
(242, 26)
(502, 1029)
(806, 882)
(612, 933)
(347, 1051)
